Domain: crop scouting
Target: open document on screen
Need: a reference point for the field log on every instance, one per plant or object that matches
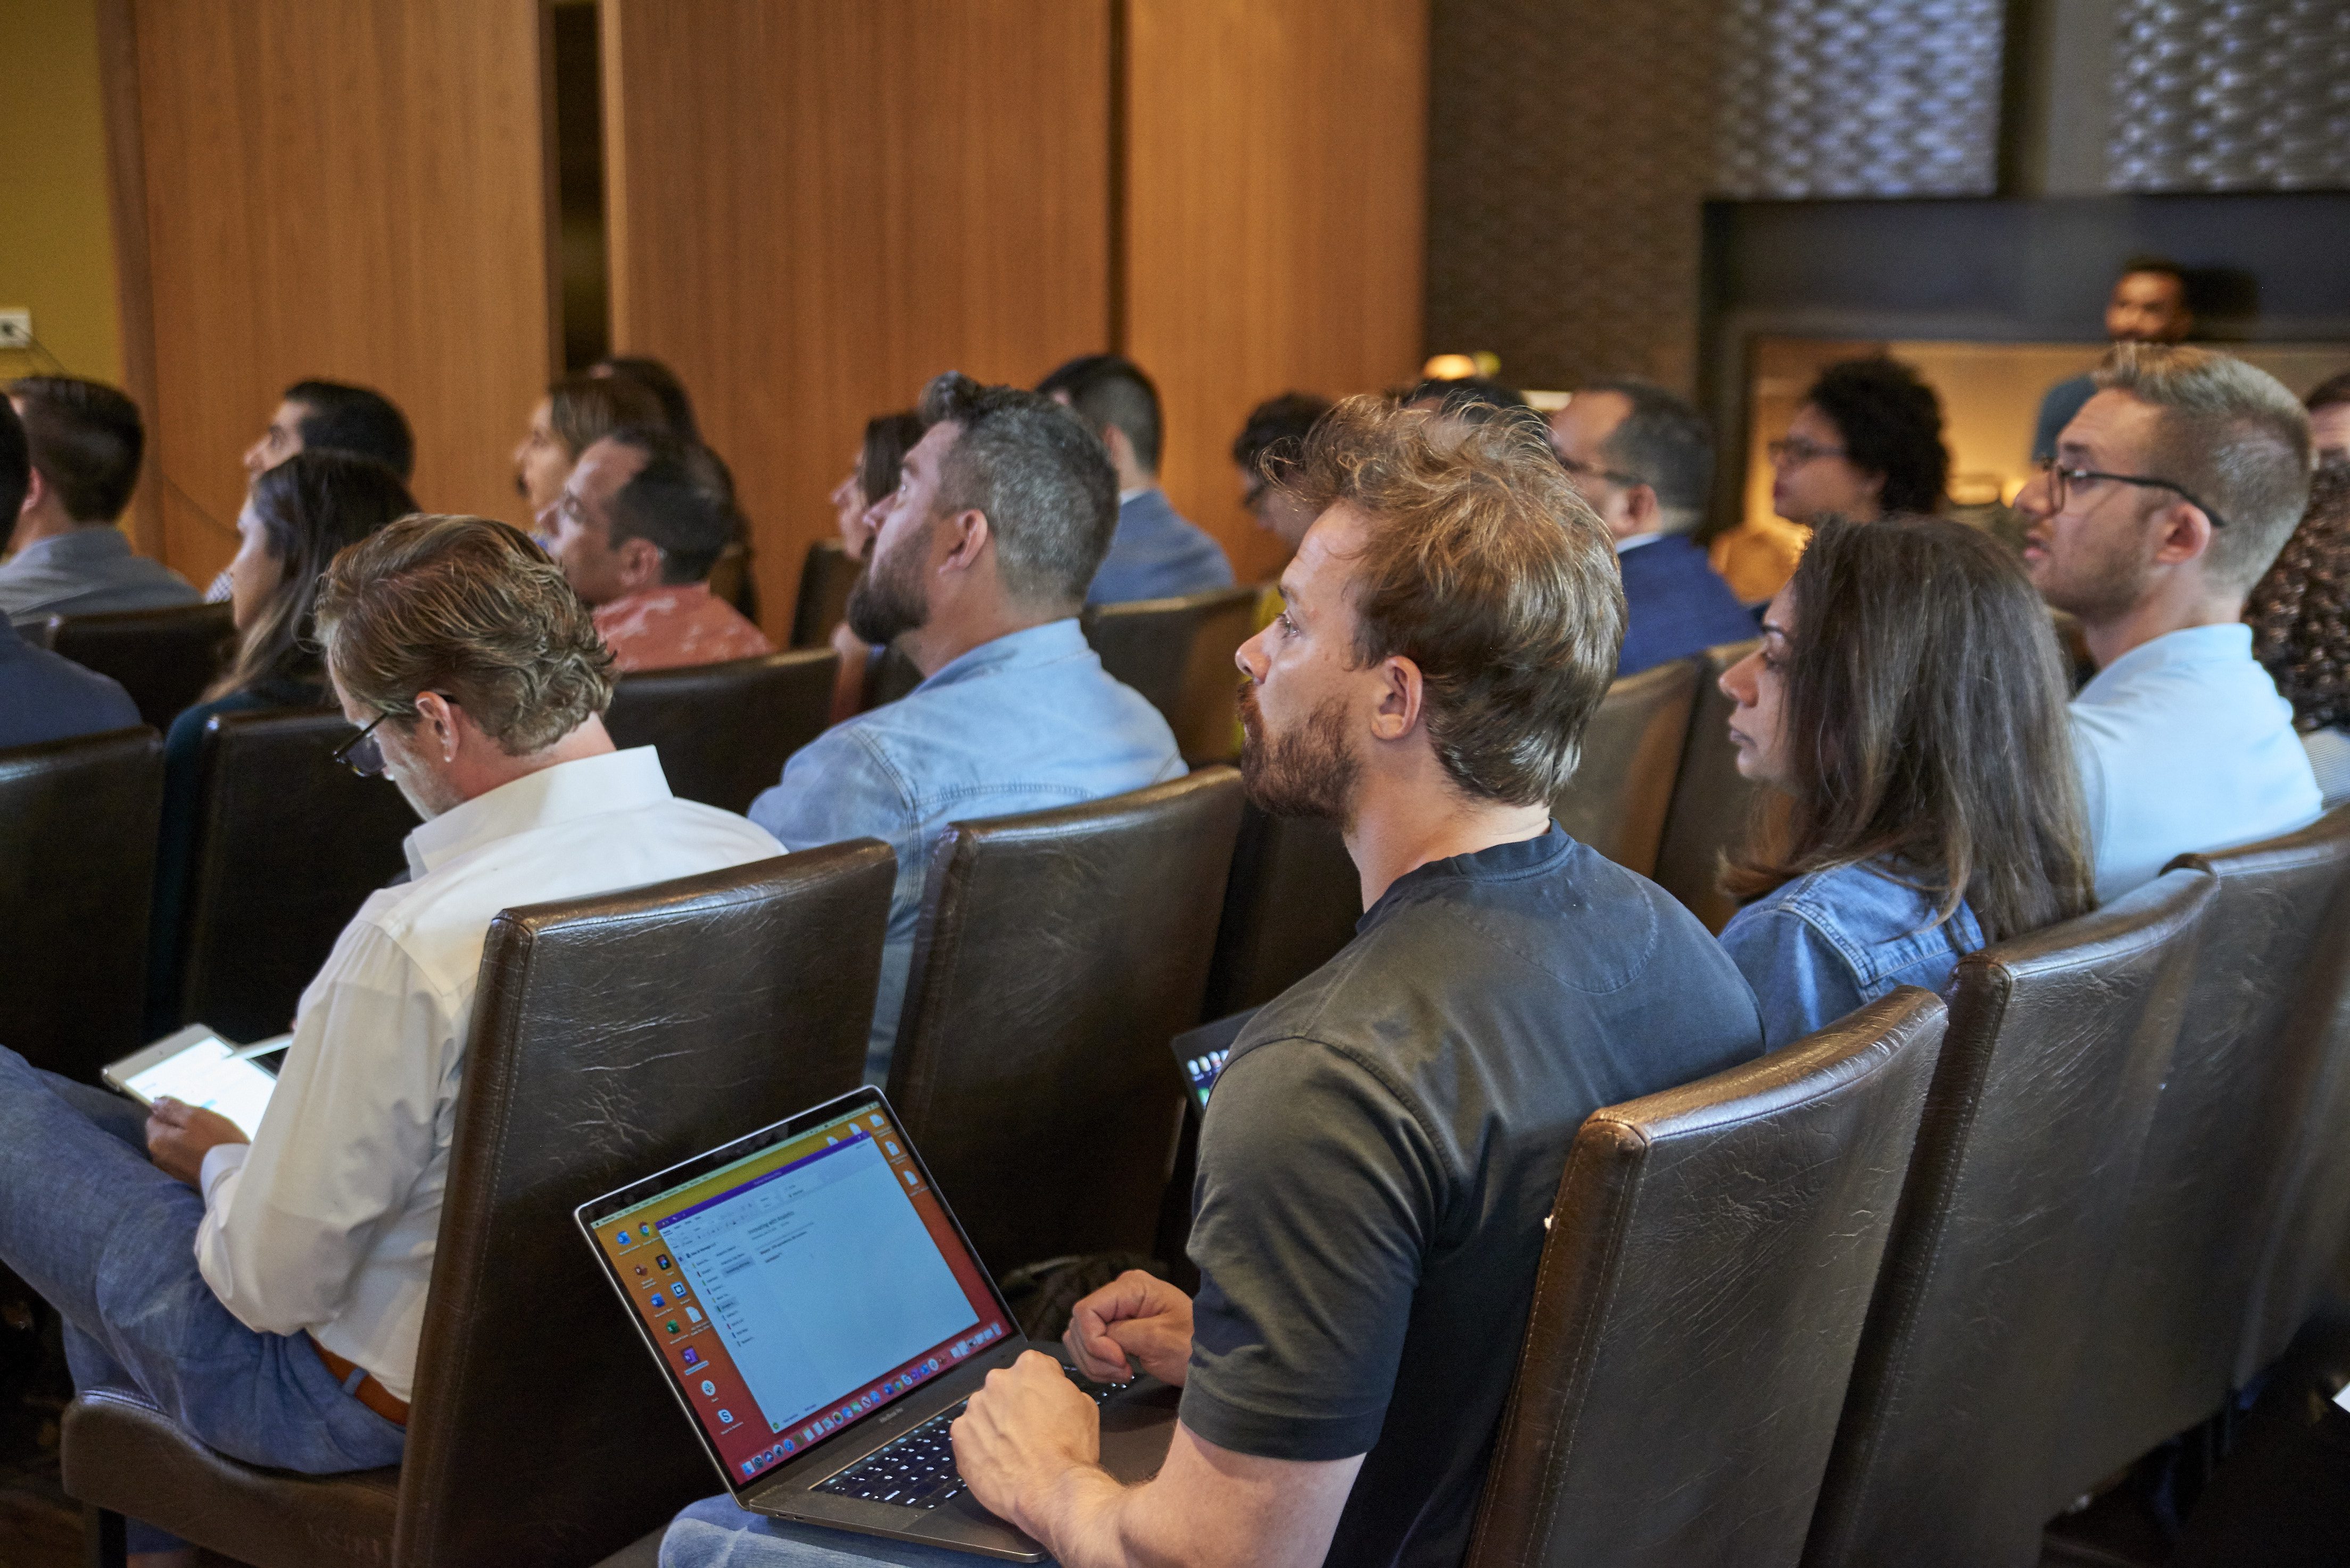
(819, 1277)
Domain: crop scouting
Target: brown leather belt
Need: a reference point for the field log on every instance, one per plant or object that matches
(369, 1393)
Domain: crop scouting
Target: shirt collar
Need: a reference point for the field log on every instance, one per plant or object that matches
(1056, 639)
(94, 542)
(1493, 863)
(1126, 495)
(1625, 547)
(587, 787)
(2230, 642)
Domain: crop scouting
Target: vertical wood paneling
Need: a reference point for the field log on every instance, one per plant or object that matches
(1274, 185)
(815, 206)
(354, 190)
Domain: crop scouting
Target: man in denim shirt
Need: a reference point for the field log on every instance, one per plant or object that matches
(979, 566)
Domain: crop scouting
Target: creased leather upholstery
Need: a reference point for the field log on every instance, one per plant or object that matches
(724, 731)
(825, 579)
(163, 657)
(1948, 1453)
(1178, 652)
(611, 1037)
(78, 824)
(1710, 802)
(1701, 1291)
(1058, 954)
(2251, 1055)
(1291, 903)
(289, 844)
(1616, 802)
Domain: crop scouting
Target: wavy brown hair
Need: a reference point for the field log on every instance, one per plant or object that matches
(2300, 609)
(1925, 711)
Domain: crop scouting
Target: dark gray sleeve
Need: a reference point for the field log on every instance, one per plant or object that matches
(1317, 1196)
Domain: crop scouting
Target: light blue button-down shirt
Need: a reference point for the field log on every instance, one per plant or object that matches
(1025, 723)
(1822, 945)
(2183, 745)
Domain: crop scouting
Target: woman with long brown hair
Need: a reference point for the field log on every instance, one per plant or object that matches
(1907, 706)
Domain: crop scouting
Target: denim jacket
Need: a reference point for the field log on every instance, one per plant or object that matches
(1822, 945)
(1025, 723)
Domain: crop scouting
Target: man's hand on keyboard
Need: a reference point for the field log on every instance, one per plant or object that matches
(1024, 1433)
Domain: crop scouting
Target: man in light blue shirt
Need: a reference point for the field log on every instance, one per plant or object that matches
(2170, 493)
(1155, 553)
(978, 568)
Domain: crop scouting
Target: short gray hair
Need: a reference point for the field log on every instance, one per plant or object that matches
(2231, 434)
(1041, 477)
(1666, 442)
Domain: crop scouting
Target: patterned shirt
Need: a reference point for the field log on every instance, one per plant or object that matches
(677, 624)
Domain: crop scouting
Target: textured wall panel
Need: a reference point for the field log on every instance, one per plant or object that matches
(1570, 145)
(2230, 95)
(1860, 98)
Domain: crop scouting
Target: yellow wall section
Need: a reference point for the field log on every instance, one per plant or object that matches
(57, 242)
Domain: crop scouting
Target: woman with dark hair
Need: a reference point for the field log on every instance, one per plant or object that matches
(677, 409)
(295, 517)
(1907, 709)
(576, 412)
(871, 478)
(2300, 617)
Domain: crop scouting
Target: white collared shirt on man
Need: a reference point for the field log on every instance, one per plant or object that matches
(327, 1221)
(2185, 746)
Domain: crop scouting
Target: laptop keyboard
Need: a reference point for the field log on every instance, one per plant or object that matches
(918, 1469)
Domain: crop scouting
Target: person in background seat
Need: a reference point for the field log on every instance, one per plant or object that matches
(576, 412)
(2300, 617)
(2329, 420)
(44, 697)
(69, 556)
(1268, 443)
(314, 416)
(2148, 305)
(858, 506)
(1155, 553)
(1907, 706)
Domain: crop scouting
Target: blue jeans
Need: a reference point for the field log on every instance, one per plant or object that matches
(111, 1242)
(714, 1533)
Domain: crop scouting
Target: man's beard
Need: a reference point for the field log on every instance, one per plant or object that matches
(2097, 590)
(1309, 772)
(892, 597)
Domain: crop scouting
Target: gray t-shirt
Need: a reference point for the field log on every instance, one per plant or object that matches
(1381, 1150)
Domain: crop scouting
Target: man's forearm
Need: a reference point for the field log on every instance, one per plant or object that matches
(1085, 1518)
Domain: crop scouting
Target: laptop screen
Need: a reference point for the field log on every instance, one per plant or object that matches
(798, 1281)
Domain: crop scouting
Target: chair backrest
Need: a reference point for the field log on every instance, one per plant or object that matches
(732, 579)
(163, 657)
(289, 844)
(724, 730)
(1058, 954)
(78, 824)
(1178, 652)
(1710, 802)
(1290, 903)
(823, 604)
(1616, 802)
(1702, 1292)
(1950, 1449)
(2223, 1149)
(612, 1037)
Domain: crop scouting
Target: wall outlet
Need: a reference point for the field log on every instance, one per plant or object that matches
(16, 330)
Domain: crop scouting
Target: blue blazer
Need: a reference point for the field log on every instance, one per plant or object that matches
(1156, 555)
(1676, 604)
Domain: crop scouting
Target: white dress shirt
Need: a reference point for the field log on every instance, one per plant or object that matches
(328, 1220)
(2183, 745)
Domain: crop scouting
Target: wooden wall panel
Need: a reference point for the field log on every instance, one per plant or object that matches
(816, 206)
(1273, 194)
(354, 190)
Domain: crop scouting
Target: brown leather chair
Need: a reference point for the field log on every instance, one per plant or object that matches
(289, 844)
(1290, 903)
(732, 578)
(163, 657)
(612, 1036)
(724, 730)
(2175, 1334)
(824, 581)
(1058, 954)
(1616, 802)
(78, 824)
(1178, 652)
(1701, 1291)
(1710, 802)
(1949, 1450)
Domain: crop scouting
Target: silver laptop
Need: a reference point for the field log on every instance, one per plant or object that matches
(820, 1316)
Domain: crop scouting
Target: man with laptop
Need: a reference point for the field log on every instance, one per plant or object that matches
(1380, 1153)
(269, 1296)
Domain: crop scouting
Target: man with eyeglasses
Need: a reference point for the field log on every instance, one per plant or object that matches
(2170, 493)
(269, 1296)
(1643, 458)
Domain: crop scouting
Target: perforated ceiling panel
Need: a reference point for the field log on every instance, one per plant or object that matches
(2230, 95)
(1860, 98)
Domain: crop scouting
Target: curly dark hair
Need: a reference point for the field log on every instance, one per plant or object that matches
(2300, 609)
(1891, 423)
